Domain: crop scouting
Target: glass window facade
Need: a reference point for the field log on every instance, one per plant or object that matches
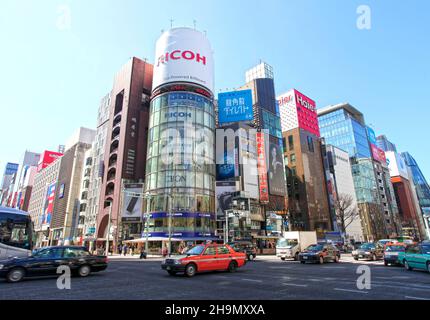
(272, 123)
(364, 181)
(180, 163)
(341, 130)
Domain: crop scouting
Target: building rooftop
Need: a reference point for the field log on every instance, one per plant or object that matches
(357, 115)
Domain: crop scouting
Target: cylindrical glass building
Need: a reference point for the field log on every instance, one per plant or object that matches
(180, 172)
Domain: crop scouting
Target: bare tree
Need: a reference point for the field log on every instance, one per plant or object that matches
(346, 211)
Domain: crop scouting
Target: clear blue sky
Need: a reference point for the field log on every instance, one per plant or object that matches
(52, 78)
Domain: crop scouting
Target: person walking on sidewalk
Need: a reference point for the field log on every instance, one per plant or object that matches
(124, 250)
(142, 253)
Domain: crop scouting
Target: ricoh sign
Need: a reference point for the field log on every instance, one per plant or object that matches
(183, 55)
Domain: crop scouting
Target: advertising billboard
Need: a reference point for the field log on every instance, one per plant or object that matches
(47, 158)
(378, 154)
(49, 206)
(132, 202)
(371, 135)
(262, 168)
(250, 178)
(235, 106)
(396, 165)
(224, 196)
(276, 175)
(226, 170)
(183, 55)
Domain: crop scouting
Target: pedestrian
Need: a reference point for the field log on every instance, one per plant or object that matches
(124, 249)
(119, 249)
(164, 251)
(181, 248)
(142, 253)
(132, 250)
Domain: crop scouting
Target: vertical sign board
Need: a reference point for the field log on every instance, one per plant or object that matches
(276, 168)
(48, 207)
(262, 168)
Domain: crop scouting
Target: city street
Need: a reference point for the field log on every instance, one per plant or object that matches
(265, 278)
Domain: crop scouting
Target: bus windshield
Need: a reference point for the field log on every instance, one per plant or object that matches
(15, 233)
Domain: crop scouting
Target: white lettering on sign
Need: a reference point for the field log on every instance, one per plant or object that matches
(235, 106)
(305, 103)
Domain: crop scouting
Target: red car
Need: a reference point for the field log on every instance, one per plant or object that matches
(205, 257)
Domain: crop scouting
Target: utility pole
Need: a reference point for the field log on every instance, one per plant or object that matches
(170, 225)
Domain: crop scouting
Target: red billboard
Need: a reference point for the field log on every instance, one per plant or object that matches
(307, 113)
(378, 154)
(47, 158)
(262, 168)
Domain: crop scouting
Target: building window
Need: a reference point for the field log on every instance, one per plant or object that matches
(291, 142)
(310, 144)
(293, 158)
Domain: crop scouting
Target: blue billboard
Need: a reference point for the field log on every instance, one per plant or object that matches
(371, 135)
(235, 106)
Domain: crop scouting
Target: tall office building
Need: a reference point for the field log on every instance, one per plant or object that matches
(8, 179)
(28, 161)
(306, 188)
(66, 212)
(126, 142)
(404, 189)
(422, 188)
(343, 126)
(42, 199)
(180, 175)
(94, 167)
(383, 143)
(256, 173)
(266, 119)
(340, 188)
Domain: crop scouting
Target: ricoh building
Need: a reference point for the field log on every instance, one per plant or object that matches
(180, 172)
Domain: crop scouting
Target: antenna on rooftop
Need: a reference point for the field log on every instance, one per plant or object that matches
(171, 22)
(194, 23)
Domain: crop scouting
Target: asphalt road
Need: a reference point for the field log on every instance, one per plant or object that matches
(266, 278)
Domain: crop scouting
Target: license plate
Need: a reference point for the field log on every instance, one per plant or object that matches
(168, 268)
(305, 257)
(360, 256)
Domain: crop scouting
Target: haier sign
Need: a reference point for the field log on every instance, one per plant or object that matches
(235, 106)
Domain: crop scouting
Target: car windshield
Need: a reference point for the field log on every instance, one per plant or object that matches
(286, 243)
(195, 251)
(426, 249)
(395, 249)
(314, 248)
(367, 246)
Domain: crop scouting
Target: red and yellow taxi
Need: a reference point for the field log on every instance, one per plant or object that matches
(205, 257)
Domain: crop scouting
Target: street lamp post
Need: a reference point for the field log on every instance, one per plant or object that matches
(148, 208)
(170, 225)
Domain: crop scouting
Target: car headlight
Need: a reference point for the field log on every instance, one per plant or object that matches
(354, 252)
(367, 252)
(1, 266)
(178, 261)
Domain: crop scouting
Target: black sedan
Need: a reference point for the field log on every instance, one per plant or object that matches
(46, 261)
(320, 253)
